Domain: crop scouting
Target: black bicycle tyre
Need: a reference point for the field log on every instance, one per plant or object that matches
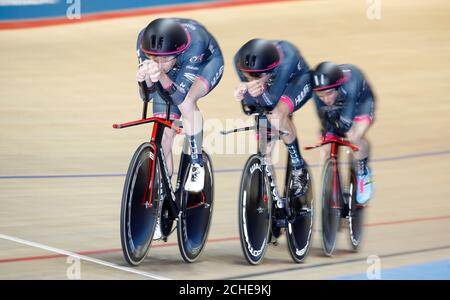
(356, 214)
(137, 222)
(194, 222)
(331, 216)
(254, 245)
(300, 226)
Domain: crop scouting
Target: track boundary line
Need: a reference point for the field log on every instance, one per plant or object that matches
(217, 240)
(81, 257)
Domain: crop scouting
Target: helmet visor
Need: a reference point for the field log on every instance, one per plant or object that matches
(160, 58)
(255, 75)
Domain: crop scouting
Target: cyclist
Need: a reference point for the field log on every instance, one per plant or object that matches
(274, 75)
(344, 88)
(186, 60)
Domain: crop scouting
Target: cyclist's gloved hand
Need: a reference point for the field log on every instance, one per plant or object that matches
(336, 124)
(332, 117)
(146, 87)
(328, 117)
(256, 87)
(154, 71)
(339, 127)
(240, 91)
(142, 72)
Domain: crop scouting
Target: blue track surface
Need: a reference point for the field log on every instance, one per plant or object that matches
(58, 8)
(437, 270)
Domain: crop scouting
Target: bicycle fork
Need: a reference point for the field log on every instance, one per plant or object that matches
(336, 200)
(147, 200)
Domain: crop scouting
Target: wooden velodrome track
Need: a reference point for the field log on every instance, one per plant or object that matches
(62, 87)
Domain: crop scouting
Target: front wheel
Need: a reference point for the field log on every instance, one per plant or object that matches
(140, 204)
(255, 205)
(331, 206)
(197, 209)
(300, 221)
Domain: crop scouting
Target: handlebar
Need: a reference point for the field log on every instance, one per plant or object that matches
(161, 91)
(259, 111)
(144, 89)
(161, 121)
(167, 122)
(331, 138)
(254, 109)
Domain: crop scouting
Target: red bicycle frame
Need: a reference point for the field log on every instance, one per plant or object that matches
(156, 138)
(335, 142)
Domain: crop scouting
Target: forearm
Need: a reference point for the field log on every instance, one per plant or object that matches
(338, 127)
(165, 81)
(344, 122)
(267, 99)
(146, 90)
